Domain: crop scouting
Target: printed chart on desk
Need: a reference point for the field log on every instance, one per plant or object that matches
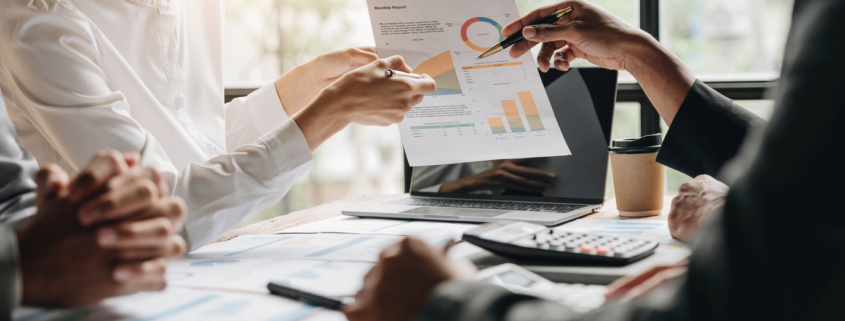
(493, 108)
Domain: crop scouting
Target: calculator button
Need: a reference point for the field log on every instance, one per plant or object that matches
(603, 249)
(587, 248)
(571, 245)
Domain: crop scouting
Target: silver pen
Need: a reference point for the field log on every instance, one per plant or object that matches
(391, 73)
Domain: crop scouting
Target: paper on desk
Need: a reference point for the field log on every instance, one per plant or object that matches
(435, 231)
(644, 229)
(334, 247)
(335, 278)
(188, 304)
(357, 225)
(493, 108)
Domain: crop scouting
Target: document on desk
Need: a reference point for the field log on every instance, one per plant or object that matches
(332, 278)
(357, 225)
(488, 109)
(187, 304)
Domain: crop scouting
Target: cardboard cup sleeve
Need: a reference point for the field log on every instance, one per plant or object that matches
(638, 181)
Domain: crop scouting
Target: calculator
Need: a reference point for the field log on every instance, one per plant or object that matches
(531, 242)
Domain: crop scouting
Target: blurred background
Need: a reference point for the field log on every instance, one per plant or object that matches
(736, 44)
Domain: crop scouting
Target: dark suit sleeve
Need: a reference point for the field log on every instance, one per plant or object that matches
(707, 132)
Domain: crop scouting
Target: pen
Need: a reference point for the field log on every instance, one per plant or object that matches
(517, 37)
(307, 297)
(391, 73)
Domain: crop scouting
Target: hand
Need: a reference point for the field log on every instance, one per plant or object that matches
(364, 96)
(588, 32)
(299, 86)
(132, 213)
(592, 33)
(629, 288)
(397, 287)
(695, 203)
(505, 174)
(88, 273)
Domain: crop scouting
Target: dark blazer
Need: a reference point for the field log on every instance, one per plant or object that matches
(776, 250)
(706, 133)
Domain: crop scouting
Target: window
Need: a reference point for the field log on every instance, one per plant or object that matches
(734, 45)
(727, 39)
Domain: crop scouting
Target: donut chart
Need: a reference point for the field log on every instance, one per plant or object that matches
(479, 19)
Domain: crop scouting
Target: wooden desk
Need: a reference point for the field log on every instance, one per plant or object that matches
(333, 209)
(563, 274)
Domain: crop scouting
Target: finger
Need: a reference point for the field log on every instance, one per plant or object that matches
(562, 59)
(171, 209)
(549, 32)
(541, 13)
(520, 48)
(142, 172)
(397, 63)
(132, 159)
(547, 50)
(174, 247)
(136, 195)
(50, 181)
(357, 57)
(369, 48)
(136, 234)
(174, 209)
(424, 85)
(141, 276)
(105, 165)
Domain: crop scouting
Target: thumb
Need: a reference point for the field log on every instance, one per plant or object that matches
(549, 32)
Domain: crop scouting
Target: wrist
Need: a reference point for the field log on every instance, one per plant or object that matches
(663, 76)
(322, 118)
(642, 51)
(290, 86)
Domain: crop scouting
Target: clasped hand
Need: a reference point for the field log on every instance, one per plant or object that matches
(107, 232)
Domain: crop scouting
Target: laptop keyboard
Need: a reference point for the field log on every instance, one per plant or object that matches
(494, 205)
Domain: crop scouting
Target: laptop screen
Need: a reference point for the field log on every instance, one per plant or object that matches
(583, 101)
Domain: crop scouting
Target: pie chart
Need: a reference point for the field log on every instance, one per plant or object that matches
(472, 21)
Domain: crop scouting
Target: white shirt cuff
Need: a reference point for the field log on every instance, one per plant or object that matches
(266, 99)
(288, 146)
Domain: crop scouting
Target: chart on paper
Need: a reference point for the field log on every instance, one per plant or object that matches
(493, 108)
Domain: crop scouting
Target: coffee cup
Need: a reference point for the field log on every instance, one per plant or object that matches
(637, 176)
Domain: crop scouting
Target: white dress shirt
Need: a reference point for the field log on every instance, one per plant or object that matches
(146, 75)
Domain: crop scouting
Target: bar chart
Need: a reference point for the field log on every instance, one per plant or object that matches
(496, 125)
(530, 109)
(512, 114)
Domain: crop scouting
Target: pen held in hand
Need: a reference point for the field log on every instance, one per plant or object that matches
(392, 73)
(517, 37)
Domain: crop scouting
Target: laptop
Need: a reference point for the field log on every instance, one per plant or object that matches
(583, 101)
